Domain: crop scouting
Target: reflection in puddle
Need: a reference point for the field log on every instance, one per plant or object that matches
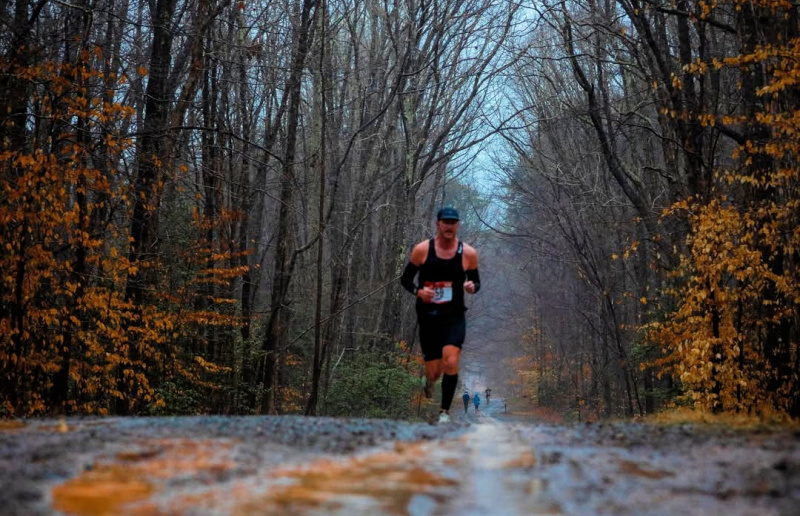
(501, 469)
(101, 492)
(135, 475)
(12, 425)
(386, 482)
(526, 459)
(632, 468)
(488, 471)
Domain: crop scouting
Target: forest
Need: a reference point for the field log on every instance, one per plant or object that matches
(206, 205)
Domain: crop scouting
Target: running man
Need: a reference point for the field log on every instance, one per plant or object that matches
(447, 268)
(476, 400)
(488, 393)
(465, 397)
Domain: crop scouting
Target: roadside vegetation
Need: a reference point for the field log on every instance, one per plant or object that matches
(205, 205)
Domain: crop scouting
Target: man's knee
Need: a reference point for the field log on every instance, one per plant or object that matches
(450, 364)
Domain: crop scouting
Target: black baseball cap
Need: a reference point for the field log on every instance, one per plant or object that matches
(447, 213)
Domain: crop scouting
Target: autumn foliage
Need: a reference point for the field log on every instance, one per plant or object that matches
(71, 340)
(732, 342)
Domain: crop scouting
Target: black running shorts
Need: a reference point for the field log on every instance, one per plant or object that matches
(436, 330)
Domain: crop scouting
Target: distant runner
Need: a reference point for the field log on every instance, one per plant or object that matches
(465, 397)
(447, 268)
(488, 393)
(476, 400)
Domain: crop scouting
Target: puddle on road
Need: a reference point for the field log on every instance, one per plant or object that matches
(12, 425)
(526, 459)
(385, 482)
(101, 492)
(135, 475)
(501, 469)
(485, 471)
(633, 468)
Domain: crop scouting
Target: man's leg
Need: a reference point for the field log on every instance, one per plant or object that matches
(431, 352)
(433, 370)
(450, 358)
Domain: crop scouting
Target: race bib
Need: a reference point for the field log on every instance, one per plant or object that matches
(443, 291)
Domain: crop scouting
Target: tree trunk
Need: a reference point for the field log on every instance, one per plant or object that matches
(144, 224)
(283, 262)
(321, 114)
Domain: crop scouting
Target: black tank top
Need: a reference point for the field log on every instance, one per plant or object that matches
(446, 277)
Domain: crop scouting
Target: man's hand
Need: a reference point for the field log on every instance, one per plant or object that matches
(469, 287)
(426, 294)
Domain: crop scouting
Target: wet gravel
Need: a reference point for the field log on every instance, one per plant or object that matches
(582, 469)
(44, 452)
(642, 469)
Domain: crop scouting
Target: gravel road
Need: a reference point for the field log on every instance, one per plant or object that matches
(480, 464)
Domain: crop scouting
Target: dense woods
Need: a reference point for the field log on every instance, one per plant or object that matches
(656, 178)
(205, 205)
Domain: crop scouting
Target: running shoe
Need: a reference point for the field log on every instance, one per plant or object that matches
(428, 389)
(444, 418)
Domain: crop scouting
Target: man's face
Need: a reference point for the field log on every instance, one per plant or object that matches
(447, 228)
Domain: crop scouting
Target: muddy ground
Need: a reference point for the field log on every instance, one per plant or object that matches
(486, 463)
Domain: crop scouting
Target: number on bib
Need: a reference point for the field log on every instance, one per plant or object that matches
(443, 291)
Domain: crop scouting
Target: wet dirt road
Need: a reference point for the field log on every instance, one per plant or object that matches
(480, 464)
